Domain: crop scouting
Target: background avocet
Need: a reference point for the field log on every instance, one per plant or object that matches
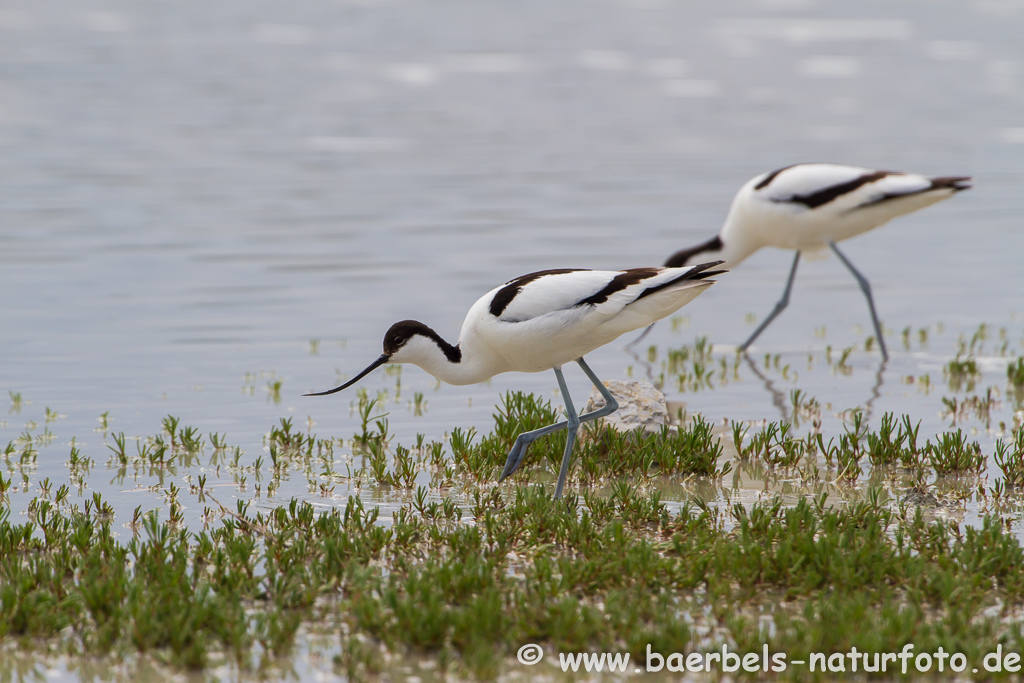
(810, 207)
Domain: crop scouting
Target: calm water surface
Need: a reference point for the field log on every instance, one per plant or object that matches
(200, 199)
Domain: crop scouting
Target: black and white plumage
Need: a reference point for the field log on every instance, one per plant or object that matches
(810, 207)
(541, 321)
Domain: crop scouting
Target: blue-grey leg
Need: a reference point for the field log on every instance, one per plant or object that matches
(779, 307)
(570, 438)
(610, 404)
(523, 441)
(865, 287)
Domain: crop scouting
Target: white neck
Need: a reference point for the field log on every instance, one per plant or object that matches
(451, 365)
(737, 243)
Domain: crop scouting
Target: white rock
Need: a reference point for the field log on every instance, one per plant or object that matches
(640, 405)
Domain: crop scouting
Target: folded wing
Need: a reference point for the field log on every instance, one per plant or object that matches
(604, 291)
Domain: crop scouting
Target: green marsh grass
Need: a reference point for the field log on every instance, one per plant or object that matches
(1015, 373)
(1009, 457)
(587, 573)
(461, 571)
(962, 372)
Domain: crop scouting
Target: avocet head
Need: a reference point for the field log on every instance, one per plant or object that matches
(408, 341)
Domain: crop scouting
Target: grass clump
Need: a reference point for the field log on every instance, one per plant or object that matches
(691, 450)
(1015, 378)
(952, 453)
(1009, 457)
(1015, 373)
(962, 371)
(517, 413)
(773, 446)
(894, 444)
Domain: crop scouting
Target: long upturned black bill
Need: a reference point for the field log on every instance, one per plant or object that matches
(384, 358)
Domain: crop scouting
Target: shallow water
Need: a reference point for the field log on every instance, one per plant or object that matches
(197, 200)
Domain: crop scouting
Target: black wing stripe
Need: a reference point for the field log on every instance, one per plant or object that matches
(947, 183)
(771, 176)
(624, 279)
(822, 197)
(507, 293)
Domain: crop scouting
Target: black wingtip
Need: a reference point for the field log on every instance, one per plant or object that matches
(955, 183)
(711, 273)
(702, 271)
(698, 272)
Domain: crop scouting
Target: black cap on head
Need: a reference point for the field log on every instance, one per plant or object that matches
(401, 332)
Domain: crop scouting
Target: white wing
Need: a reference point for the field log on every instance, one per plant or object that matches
(607, 291)
(803, 180)
(838, 187)
(537, 294)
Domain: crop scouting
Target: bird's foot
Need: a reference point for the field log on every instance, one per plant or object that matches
(515, 458)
